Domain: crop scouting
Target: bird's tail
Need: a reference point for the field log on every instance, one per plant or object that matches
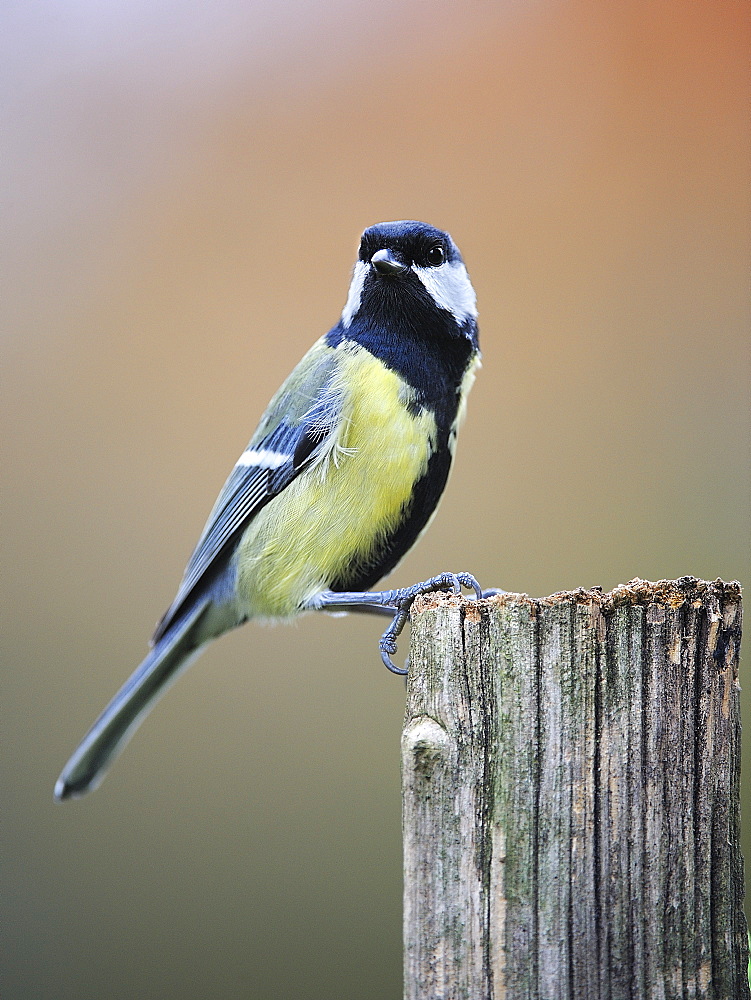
(130, 706)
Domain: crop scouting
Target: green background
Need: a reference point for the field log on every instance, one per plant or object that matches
(184, 190)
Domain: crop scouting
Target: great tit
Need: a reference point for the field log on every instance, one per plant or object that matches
(340, 479)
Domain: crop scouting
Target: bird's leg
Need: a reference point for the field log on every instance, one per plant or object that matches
(393, 602)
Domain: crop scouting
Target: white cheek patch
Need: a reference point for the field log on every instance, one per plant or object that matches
(450, 288)
(263, 458)
(355, 293)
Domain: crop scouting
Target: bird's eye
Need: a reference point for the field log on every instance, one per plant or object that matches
(436, 256)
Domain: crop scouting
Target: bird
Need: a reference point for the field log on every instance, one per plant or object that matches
(340, 479)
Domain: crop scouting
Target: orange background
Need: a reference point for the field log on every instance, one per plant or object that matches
(185, 188)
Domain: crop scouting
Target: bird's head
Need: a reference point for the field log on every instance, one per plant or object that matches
(407, 268)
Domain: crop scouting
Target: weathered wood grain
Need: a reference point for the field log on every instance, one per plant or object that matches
(570, 796)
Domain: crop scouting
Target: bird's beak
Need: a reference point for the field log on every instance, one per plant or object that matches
(386, 263)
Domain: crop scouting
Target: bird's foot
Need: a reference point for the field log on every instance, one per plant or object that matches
(403, 601)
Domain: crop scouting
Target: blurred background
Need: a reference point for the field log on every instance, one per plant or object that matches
(183, 190)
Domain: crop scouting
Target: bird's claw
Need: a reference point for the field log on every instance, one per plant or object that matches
(389, 663)
(403, 601)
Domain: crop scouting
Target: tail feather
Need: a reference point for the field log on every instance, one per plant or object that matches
(130, 706)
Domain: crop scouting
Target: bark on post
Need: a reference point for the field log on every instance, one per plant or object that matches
(571, 773)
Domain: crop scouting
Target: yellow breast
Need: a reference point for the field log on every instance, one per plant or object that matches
(336, 512)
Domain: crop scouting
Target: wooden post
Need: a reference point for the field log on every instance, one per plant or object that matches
(571, 773)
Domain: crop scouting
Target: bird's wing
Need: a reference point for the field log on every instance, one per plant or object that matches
(301, 421)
